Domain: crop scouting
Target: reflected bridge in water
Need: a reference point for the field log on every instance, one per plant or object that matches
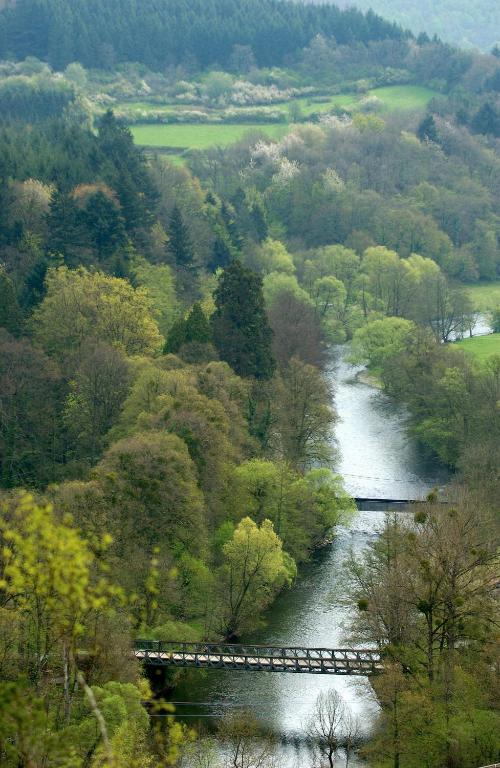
(259, 658)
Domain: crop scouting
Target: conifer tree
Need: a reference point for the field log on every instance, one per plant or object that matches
(179, 245)
(241, 330)
(65, 227)
(258, 222)
(427, 130)
(195, 329)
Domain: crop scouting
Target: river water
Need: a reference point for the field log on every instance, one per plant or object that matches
(377, 459)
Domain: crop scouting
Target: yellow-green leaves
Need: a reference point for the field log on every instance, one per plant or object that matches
(80, 306)
(50, 578)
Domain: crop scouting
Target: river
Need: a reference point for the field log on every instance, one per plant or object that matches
(377, 459)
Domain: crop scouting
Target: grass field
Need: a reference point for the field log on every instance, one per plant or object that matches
(200, 136)
(482, 346)
(179, 138)
(485, 296)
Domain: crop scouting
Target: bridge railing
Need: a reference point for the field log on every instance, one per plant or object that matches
(268, 651)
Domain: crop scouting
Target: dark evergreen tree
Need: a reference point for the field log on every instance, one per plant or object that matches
(198, 328)
(221, 254)
(241, 330)
(194, 329)
(487, 120)
(427, 130)
(176, 337)
(66, 228)
(258, 223)
(125, 170)
(179, 245)
(103, 33)
(229, 218)
(104, 224)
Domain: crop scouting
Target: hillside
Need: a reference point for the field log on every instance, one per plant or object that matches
(105, 32)
(463, 22)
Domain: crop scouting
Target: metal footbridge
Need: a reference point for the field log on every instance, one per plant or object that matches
(259, 658)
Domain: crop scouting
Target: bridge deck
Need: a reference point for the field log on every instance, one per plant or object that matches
(252, 658)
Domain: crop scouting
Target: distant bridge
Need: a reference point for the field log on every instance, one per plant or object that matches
(259, 658)
(366, 504)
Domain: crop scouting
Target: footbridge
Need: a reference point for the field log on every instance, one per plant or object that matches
(386, 505)
(259, 658)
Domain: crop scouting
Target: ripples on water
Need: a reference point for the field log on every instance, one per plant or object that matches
(377, 460)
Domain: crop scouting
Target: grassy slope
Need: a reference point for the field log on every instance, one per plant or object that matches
(482, 346)
(200, 136)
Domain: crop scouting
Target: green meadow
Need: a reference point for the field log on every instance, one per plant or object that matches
(200, 136)
(178, 138)
(482, 347)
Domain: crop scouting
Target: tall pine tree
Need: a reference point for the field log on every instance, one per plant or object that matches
(179, 245)
(241, 330)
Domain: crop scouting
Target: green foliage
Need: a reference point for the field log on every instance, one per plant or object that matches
(67, 32)
(241, 330)
(179, 244)
(29, 444)
(381, 339)
(10, 313)
(195, 329)
(255, 568)
(302, 508)
(80, 306)
(159, 282)
(152, 483)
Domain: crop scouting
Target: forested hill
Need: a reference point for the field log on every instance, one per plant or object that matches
(101, 33)
(463, 22)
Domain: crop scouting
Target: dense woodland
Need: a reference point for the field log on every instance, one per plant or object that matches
(166, 430)
(104, 33)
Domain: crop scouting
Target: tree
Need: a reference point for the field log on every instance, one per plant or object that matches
(258, 224)
(194, 330)
(427, 130)
(379, 340)
(46, 571)
(10, 312)
(325, 726)
(80, 306)
(241, 330)
(302, 508)
(98, 390)
(296, 330)
(159, 282)
(104, 224)
(304, 416)
(30, 392)
(65, 227)
(487, 120)
(496, 320)
(271, 256)
(255, 568)
(246, 744)
(179, 244)
(150, 481)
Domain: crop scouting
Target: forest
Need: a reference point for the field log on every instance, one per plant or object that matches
(104, 34)
(167, 426)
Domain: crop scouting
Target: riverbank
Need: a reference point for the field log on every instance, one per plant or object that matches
(376, 458)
